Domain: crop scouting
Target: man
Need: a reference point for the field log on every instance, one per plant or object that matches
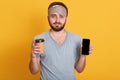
(62, 52)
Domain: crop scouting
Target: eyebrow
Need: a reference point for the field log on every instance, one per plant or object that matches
(56, 14)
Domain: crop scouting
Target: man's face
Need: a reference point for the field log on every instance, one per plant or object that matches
(57, 18)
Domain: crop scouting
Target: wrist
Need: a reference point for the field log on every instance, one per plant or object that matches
(33, 59)
(83, 56)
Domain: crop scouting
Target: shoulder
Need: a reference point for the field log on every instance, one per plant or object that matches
(41, 35)
(75, 36)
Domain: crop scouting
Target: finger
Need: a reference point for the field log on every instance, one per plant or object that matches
(81, 45)
(39, 49)
(33, 43)
(91, 48)
(90, 52)
(36, 51)
(80, 48)
(36, 47)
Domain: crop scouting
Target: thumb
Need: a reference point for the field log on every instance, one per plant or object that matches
(81, 48)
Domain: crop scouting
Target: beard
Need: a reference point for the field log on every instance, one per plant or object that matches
(57, 28)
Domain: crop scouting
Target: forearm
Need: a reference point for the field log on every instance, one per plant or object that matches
(34, 65)
(80, 64)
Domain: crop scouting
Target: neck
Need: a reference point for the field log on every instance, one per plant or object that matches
(58, 33)
(59, 37)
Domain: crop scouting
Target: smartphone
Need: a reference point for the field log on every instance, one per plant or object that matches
(85, 46)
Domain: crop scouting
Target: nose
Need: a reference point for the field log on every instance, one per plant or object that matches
(57, 19)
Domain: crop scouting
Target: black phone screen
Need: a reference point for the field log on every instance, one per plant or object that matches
(85, 46)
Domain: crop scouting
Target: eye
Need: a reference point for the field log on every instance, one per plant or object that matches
(61, 16)
(52, 15)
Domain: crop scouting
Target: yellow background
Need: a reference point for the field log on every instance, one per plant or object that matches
(99, 20)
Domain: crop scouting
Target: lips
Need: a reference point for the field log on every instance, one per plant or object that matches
(57, 24)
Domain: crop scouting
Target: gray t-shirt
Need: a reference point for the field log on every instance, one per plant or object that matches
(57, 62)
